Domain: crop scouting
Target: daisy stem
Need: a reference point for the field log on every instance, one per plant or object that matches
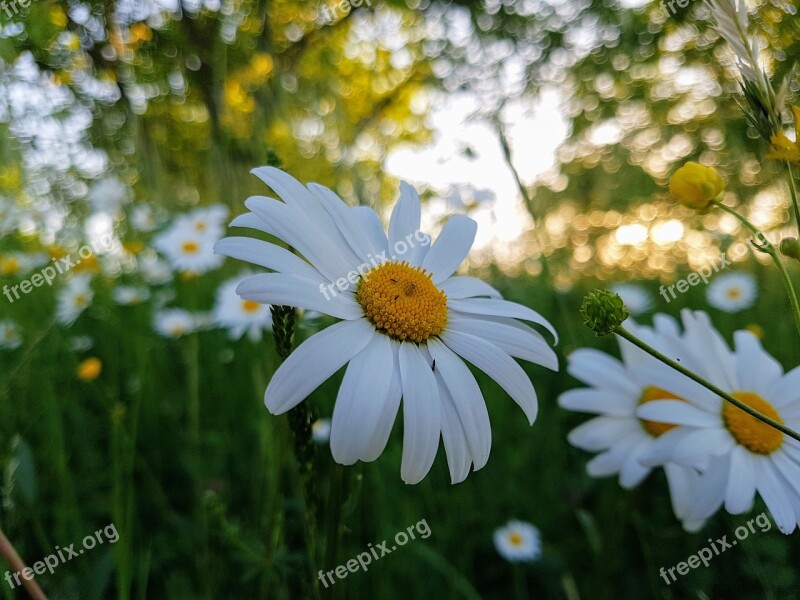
(793, 194)
(627, 335)
(770, 249)
(519, 582)
(14, 561)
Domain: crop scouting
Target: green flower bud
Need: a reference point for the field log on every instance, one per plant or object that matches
(603, 312)
(790, 247)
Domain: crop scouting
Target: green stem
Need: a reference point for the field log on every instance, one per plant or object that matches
(773, 253)
(793, 194)
(519, 582)
(627, 335)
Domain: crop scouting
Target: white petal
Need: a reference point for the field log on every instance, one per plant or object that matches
(602, 433)
(599, 370)
(633, 472)
(710, 490)
(776, 498)
(459, 458)
(253, 221)
(346, 221)
(498, 365)
(459, 287)
(404, 225)
(370, 224)
(501, 308)
(314, 361)
(391, 404)
(266, 255)
(786, 390)
(741, 490)
(289, 290)
(677, 412)
(451, 247)
(682, 482)
(513, 341)
(468, 400)
(326, 253)
(422, 414)
(601, 402)
(756, 369)
(356, 413)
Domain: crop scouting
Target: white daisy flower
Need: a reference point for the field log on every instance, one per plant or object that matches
(636, 298)
(108, 195)
(187, 249)
(616, 391)
(240, 316)
(129, 295)
(206, 220)
(145, 218)
(321, 431)
(732, 292)
(10, 338)
(174, 323)
(737, 454)
(406, 327)
(14, 264)
(155, 271)
(518, 541)
(73, 299)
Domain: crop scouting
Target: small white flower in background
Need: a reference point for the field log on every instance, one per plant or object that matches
(73, 299)
(617, 389)
(408, 324)
(81, 343)
(10, 338)
(108, 195)
(129, 295)
(636, 298)
(518, 541)
(189, 250)
(467, 197)
(174, 322)
(154, 270)
(13, 264)
(145, 218)
(240, 316)
(737, 455)
(732, 292)
(321, 431)
(9, 213)
(206, 220)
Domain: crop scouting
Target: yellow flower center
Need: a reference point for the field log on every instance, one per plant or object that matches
(249, 306)
(177, 330)
(515, 539)
(734, 293)
(200, 226)
(81, 301)
(90, 369)
(402, 302)
(9, 266)
(756, 436)
(190, 247)
(651, 393)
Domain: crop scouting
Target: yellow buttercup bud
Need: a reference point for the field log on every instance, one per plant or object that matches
(695, 185)
(89, 370)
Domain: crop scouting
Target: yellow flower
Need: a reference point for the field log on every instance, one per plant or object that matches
(90, 369)
(782, 147)
(695, 185)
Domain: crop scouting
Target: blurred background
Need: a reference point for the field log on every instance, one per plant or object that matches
(555, 124)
